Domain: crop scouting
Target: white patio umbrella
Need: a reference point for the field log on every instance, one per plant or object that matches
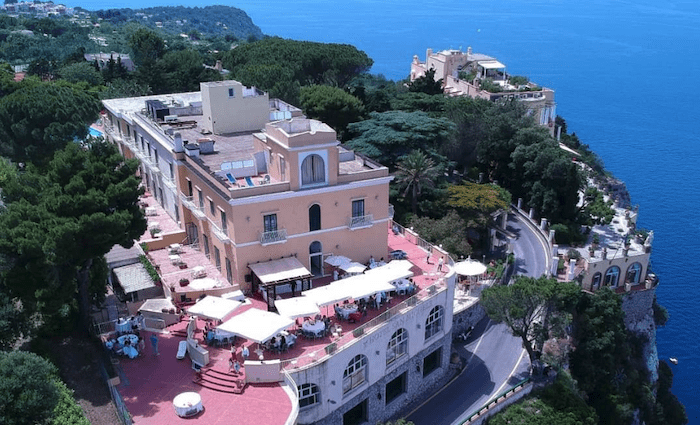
(353, 267)
(337, 260)
(469, 268)
(256, 325)
(297, 307)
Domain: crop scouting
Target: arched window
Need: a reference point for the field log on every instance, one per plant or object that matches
(398, 345)
(308, 395)
(433, 324)
(595, 283)
(612, 276)
(314, 217)
(355, 374)
(634, 272)
(313, 170)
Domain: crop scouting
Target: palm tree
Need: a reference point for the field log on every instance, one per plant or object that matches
(416, 171)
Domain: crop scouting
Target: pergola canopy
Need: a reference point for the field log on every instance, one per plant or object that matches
(215, 308)
(280, 271)
(492, 64)
(256, 325)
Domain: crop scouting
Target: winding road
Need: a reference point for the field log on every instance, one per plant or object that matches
(495, 358)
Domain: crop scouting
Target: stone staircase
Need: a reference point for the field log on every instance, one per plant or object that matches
(220, 381)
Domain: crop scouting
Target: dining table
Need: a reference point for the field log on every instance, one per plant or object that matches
(346, 310)
(314, 326)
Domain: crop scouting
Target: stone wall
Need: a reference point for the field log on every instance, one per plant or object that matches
(467, 318)
(417, 388)
(639, 318)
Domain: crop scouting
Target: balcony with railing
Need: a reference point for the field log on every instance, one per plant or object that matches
(220, 230)
(273, 236)
(361, 221)
(169, 181)
(189, 203)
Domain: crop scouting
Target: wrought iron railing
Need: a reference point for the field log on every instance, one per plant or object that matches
(273, 236)
(360, 221)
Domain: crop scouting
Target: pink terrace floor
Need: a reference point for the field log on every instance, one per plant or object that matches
(150, 383)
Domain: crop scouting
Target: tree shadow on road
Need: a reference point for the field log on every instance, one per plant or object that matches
(475, 382)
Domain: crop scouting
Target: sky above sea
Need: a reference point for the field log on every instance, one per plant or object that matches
(624, 73)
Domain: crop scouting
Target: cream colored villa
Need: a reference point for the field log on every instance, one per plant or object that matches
(463, 72)
(250, 180)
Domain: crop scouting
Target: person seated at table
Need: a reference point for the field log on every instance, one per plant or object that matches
(210, 336)
(273, 342)
(283, 343)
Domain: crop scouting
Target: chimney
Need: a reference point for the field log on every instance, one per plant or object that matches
(428, 53)
(178, 142)
(469, 50)
(206, 145)
(192, 150)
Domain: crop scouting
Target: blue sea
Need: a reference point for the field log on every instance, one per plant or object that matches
(626, 76)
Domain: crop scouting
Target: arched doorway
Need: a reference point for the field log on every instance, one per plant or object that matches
(316, 258)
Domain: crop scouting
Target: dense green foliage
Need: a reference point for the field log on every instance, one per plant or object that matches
(67, 411)
(450, 231)
(608, 364)
(211, 20)
(282, 66)
(558, 404)
(37, 120)
(29, 394)
(426, 83)
(331, 105)
(529, 308)
(476, 202)
(59, 220)
(388, 136)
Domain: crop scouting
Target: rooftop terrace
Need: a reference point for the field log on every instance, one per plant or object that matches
(150, 383)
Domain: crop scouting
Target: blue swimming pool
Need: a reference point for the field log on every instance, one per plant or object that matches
(95, 132)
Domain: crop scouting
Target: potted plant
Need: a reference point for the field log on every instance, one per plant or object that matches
(154, 231)
(184, 281)
(595, 241)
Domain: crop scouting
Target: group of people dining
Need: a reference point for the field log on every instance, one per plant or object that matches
(281, 342)
(129, 345)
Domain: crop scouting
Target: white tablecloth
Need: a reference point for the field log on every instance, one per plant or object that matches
(123, 325)
(316, 327)
(347, 310)
(402, 285)
(187, 404)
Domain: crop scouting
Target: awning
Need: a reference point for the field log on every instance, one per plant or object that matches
(215, 308)
(297, 307)
(491, 64)
(362, 286)
(133, 278)
(279, 271)
(469, 268)
(157, 305)
(326, 295)
(393, 270)
(256, 325)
